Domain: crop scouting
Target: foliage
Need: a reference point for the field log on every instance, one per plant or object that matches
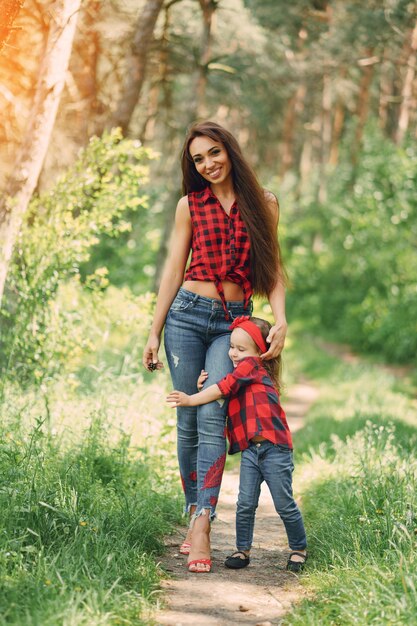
(131, 258)
(356, 468)
(62, 226)
(354, 258)
(80, 525)
(362, 526)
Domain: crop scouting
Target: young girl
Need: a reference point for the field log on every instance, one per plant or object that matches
(257, 427)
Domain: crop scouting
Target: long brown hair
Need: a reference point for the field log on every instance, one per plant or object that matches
(265, 255)
(272, 366)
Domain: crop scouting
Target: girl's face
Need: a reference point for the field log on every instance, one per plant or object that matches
(210, 159)
(241, 345)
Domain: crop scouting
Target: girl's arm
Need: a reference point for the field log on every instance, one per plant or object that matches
(276, 337)
(179, 398)
(171, 280)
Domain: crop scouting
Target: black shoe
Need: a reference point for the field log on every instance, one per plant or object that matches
(296, 566)
(235, 562)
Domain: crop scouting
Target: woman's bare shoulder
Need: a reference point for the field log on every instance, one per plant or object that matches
(182, 212)
(183, 203)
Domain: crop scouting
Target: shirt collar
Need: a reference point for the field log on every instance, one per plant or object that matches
(208, 193)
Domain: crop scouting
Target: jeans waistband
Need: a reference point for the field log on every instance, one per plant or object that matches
(256, 445)
(213, 303)
(260, 444)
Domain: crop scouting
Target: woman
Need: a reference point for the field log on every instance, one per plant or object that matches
(229, 223)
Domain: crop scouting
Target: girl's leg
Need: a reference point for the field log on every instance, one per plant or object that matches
(277, 466)
(247, 503)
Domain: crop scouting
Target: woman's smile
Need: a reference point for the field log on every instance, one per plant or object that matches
(215, 173)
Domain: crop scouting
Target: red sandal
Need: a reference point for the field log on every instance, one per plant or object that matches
(200, 571)
(185, 547)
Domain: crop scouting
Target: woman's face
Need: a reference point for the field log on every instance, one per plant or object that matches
(210, 159)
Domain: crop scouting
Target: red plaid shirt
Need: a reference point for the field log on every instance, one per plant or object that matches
(220, 245)
(254, 407)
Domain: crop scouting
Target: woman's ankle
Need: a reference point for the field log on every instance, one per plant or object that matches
(201, 523)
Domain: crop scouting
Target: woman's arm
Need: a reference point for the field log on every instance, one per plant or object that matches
(276, 337)
(179, 398)
(171, 280)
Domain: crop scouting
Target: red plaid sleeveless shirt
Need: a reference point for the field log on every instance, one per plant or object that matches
(220, 245)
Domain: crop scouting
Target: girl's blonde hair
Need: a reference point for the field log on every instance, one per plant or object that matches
(272, 366)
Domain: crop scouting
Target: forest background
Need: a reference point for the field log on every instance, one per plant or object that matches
(95, 99)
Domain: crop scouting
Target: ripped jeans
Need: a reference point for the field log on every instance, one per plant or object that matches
(197, 337)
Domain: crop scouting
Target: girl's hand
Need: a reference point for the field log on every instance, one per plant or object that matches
(202, 379)
(276, 339)
(178, 398)
(150, 354)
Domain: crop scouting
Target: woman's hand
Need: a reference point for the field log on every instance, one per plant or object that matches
(276, 339)
(178, 398)
(150, 354)
(202, 379)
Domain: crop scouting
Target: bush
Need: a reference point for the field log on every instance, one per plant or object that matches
(79, 527)
(355, 262)
(362, 527)
(60, 229)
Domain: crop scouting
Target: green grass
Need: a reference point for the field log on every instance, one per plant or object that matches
(356, 469)
(81, 525)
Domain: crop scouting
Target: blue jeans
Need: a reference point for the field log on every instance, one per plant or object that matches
(272, 463)
(197, 337)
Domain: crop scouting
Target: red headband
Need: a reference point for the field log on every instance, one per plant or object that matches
(252, 329)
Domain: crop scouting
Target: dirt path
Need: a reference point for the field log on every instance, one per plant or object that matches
(259, 594)
(345, 353)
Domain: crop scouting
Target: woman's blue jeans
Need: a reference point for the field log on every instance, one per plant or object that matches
(197, 337)
(274, 464)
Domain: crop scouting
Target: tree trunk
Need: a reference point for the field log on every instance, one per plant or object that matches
(208, 8)
(198, 87)
(385, 90)
(295, 106)
(136, 65)
(8, 11)
(294, 109)
(338, 122)
(326, 134)
(160, 83)
(86, 69)
(407, 90)
(26, 172)
(368, 65)
(305, 165)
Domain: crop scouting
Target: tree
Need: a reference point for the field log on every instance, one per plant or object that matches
(136, 64)
(26, 172)
(8, 10)
(407, 90)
